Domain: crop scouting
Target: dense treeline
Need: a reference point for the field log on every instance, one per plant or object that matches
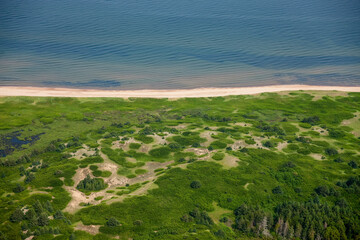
(308, 220)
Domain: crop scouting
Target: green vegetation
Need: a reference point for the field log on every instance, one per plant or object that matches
(140, 171)
(160, 152)
(218, 156)
(218, 145)
(273, 166)
(135, 145)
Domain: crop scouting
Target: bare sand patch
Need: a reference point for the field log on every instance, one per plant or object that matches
(132, 160)
(320, 95)
(83, 152)
(316, 156)
(80, 174)
(218, 212)
(78, 197)
(39, 192)
(207, 136)
(281, 146)
(258, 142)
(241, 124)
(150, 175)
(198, 151)
(247, 185)
(181, 126)
(239, 144)
(125, 145)
(144, 148)
(161, 140)
(92, 229)
(229, 161)
(320, 130)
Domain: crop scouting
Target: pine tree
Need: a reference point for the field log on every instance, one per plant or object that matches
(18, 188)
(48, 207)
(298, 230)
(59, 215)
(17, 216)
(72, 237)
(38, 208)
(43, 219)
(112, 222)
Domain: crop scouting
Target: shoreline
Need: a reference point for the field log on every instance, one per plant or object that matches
(6, 91)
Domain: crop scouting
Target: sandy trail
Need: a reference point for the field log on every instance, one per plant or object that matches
(168, 93)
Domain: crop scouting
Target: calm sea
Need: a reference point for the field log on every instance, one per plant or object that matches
(163, 44)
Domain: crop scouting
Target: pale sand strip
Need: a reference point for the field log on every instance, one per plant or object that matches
(171, 93)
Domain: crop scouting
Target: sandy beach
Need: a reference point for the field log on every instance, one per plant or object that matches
(170, 93)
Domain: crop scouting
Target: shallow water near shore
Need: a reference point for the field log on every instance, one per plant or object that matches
(166, 44)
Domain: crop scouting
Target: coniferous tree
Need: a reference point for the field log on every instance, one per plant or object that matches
(59, 215)
(38, 207)
(43, 219)
(112, 222)
(48, 207)
(17, 216)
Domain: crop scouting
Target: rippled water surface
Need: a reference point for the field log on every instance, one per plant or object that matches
(122, 44)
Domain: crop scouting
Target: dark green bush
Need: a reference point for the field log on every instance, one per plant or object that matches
(112, 222)
(218, 145)
(160, 152)
(195, 184)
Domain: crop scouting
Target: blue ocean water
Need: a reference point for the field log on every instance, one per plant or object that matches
(164, 44)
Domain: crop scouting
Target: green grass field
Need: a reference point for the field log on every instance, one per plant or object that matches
(268, 166)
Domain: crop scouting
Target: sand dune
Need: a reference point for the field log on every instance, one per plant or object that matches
(171, 93)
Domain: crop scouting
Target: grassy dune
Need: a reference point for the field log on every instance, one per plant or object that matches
(273, 165)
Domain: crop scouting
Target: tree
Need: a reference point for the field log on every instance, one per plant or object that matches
(112, 222)
(18, 188)
(331, 233)
(17, 216)
(195, 184)
(29, 178)
(138, 223)
(43, 219)
(331, 151)
(353, 164)
(30, 214)
(311, 120)
(48, 207)
(268, 144)
(72, 237)
(186, 218)
(38, 207)
(277, 190)
(59, 215)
